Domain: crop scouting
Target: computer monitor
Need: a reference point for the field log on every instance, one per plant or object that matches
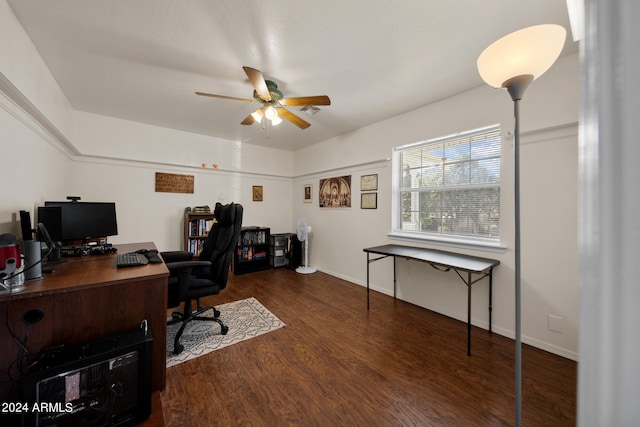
(68, 221)
(51, 218)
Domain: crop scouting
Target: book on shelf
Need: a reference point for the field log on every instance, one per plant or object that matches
(260, 255)
(200, 227)
(201, 210)
(254, 238)
(195, 246)
(248, 253)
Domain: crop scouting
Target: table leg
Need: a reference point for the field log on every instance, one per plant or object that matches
(490, 296)
(469, 314)
(394, 277)
(367, 280)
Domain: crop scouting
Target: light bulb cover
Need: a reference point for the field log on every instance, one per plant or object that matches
(258, 115)
(270, 112)
(276, 121)
(529, 51)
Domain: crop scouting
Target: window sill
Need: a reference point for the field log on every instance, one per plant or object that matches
(474, 244)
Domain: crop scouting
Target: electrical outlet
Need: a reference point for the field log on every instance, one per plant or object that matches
(555, 323)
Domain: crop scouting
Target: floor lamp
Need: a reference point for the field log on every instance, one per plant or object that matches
(513, 62)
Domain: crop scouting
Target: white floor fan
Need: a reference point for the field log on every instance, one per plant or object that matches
(303, 231)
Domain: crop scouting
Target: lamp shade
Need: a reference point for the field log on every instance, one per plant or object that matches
(530, 51)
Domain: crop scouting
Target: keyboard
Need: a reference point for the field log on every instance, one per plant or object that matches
(131, 259)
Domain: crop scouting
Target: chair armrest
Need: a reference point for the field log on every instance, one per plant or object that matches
(183, 272)
(179, 265)
(175, 256)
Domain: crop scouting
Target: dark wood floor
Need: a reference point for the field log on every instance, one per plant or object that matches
(337, 364)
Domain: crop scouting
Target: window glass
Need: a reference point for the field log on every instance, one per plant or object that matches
(450, 186)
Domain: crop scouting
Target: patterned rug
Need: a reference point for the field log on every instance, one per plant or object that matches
(246, 319)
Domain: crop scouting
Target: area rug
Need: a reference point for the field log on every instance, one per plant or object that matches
(245, 318)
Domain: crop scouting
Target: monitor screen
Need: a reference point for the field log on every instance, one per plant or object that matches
(51, 217)
(78, 220)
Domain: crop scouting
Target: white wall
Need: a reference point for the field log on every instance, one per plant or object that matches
(30, 171)
(145, 215)
(21, 64)
(108, 137)
(549, 207)
(33, 164)
(549, 115)
(120, 159)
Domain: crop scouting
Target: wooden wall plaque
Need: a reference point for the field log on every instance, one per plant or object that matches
(174, 183)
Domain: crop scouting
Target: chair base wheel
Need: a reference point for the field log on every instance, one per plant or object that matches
(178, 349)
(224, 329)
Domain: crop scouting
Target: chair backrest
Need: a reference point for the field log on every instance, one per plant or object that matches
(222, 241)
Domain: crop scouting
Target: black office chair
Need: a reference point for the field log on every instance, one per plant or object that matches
(191, 280)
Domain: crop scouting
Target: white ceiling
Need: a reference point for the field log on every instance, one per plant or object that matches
(143, 60)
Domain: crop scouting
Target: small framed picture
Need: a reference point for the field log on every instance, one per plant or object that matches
(369, 182)
(257, 193)
(307, 193)
(369, 201)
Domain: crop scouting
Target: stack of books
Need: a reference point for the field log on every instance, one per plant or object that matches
(201, 210)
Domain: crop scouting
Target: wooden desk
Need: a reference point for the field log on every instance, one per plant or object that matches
(441, 261)
(87, 298)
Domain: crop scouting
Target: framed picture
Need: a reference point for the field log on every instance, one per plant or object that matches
(307, 193)
(335, 192)
(174, 183)
(257, 193)
(369, 182)
(369, 201)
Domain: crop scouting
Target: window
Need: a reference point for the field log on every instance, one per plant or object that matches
(449, 188)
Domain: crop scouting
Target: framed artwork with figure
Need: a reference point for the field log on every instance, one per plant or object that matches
(307, 193)
(257, 193)
(335, 192)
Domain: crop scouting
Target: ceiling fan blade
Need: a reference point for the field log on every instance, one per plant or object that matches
(258, 82)
(225, 97)
(306, 100)
(248, 121)
(288, 115)
(256, 116)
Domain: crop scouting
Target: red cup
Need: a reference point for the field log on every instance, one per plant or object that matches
(8, 252)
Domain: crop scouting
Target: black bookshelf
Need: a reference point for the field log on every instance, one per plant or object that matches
(253, 250)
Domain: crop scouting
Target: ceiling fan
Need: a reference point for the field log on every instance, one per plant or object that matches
(273, 101)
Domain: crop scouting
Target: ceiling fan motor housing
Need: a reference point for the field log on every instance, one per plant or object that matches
(276, 94)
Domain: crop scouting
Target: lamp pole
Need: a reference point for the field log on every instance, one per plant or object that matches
(516, 87)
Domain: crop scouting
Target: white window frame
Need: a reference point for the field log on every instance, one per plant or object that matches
(492, 244)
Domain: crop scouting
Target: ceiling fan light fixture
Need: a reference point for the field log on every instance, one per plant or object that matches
(270, 112)
(258, 115)
(276, 121)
